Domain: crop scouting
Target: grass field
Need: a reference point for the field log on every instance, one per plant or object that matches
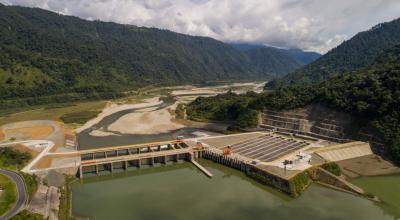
(79, 117)
(52, 112)
(9, 194)
(25, 215)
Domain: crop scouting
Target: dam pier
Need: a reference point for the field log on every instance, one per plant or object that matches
(135, 156)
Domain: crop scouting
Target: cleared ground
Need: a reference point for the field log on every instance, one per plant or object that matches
(370, 165)
(345, 151)
(37, 132)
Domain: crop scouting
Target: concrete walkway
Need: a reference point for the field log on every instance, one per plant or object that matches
(204, 170)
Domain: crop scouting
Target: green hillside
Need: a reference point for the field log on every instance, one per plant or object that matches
(358, 52)
(46, 57)
(370, 94)
(264, 59)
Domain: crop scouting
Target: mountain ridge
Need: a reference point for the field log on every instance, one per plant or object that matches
(300, 56)
(43, 53)
(360, 51)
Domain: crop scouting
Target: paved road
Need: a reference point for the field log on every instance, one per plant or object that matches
(21, 194)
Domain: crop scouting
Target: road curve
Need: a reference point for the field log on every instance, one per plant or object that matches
(21, 194)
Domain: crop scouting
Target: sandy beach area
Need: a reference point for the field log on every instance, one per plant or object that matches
(149, 120)
(153, 122)
(113, 108)
(214, 90)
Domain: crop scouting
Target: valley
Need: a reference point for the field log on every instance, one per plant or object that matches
(246, 116)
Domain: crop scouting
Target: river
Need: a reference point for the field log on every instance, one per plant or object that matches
(181, 191)
(88, 141)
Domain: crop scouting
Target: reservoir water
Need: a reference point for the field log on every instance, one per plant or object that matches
(181, 191)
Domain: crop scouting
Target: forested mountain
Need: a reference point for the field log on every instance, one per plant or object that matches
(358, 52)
(46, 54)
(294, 55)
(302, 57)
(370, 94)
(263, 59)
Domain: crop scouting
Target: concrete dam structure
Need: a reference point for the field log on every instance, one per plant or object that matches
(134, 156)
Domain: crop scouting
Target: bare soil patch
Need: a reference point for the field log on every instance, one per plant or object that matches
(37, 132)
(43, 163)
(153, 122)
(113, 108)
(2, 136)
(371, 165)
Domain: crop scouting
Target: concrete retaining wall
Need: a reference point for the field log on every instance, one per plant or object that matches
(270, 179)
(252, 171)
(328, 178)
(346, 151)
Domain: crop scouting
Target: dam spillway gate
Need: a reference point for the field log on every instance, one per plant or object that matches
(135, 156)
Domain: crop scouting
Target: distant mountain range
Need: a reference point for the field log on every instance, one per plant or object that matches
(46, 54)
(301, 57)
(358, 52)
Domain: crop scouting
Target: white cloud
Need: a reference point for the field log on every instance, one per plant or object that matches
(315, 25)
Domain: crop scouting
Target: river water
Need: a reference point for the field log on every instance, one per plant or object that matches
(181, 191)
(87, 141)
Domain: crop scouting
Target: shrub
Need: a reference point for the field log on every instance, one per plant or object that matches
(333, 168)
(79, 117)
(12, 157)
(298, 183)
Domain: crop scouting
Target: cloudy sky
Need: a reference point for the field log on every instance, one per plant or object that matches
(315, 25)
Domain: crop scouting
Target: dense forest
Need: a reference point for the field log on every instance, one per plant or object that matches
(47, 57)
(360, 51)
(370, 94)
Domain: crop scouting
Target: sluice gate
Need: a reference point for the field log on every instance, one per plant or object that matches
(134, 156)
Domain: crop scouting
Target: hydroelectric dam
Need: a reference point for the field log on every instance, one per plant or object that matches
(272, 157)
